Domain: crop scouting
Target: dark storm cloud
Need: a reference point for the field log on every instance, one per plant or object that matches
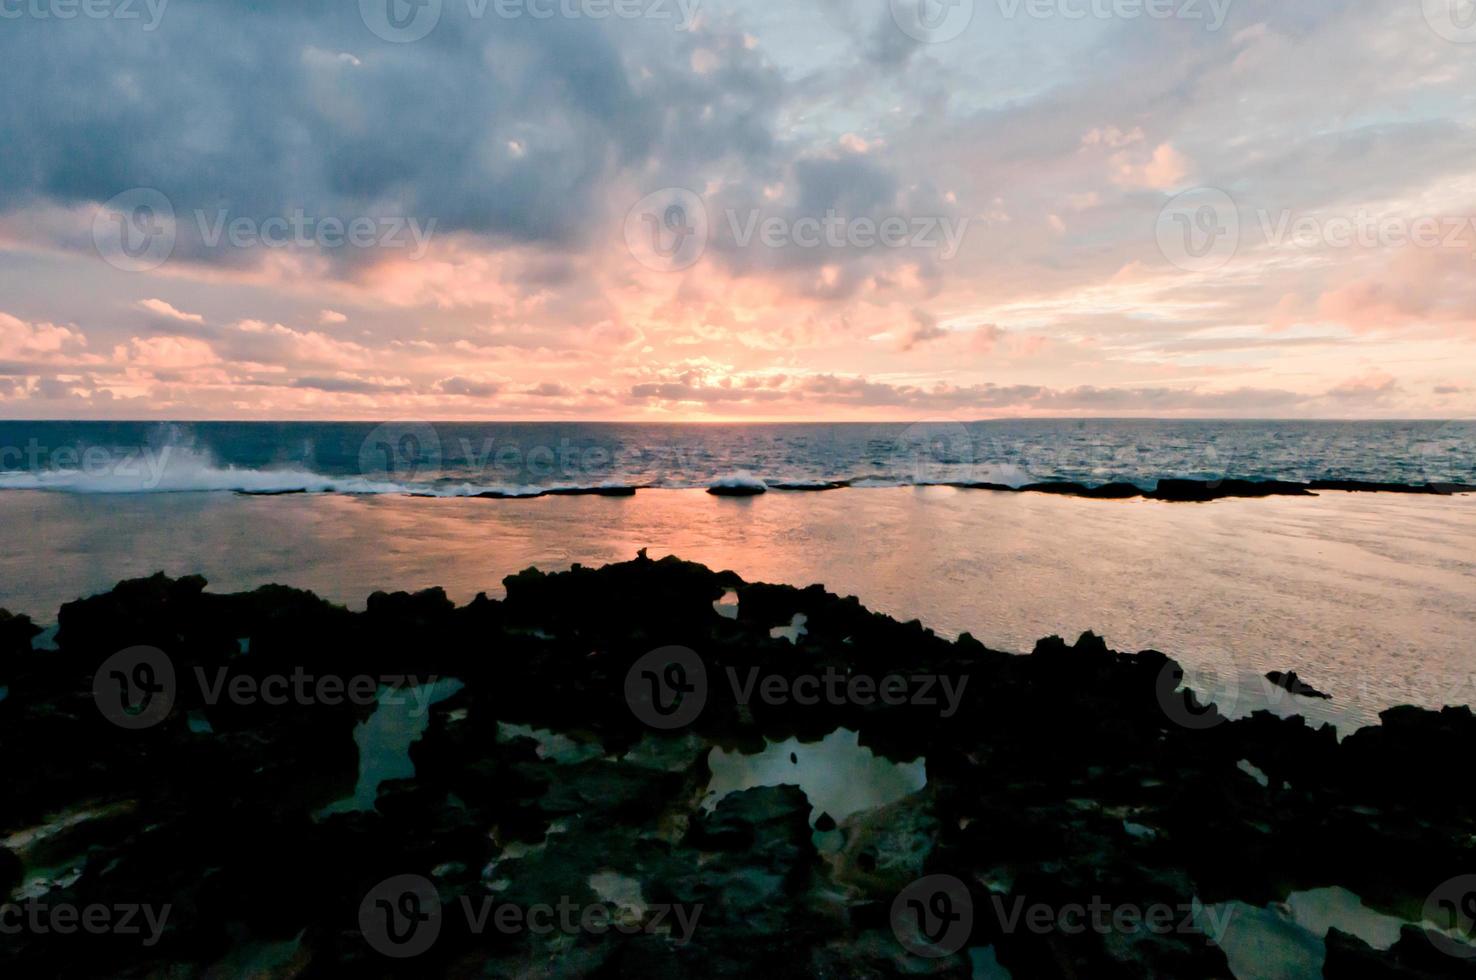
(348, 386)
(467, 388)
(508, 128)
(859, 194)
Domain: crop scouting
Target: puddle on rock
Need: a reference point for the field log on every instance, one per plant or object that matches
(46, 640)
(385, 737)
(1287, 939)
(985, 966)
(1323, 908)
(727, 606)
(1261, 943)
(621, 891)
(838, 775)
(1245, 766)
(551, 745)
(793, 631)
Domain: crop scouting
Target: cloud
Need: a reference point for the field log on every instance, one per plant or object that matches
(464, 387)
(21, 339)
(1370, 387)
(529, 141)
(979, 400)
(1164, 169)
(161, 308)
(549, 390)
(924, 328)
(254, 341)
(351, 386)
(334, 122)
(166, 353)
(1112, 137)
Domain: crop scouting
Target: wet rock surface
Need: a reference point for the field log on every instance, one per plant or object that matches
(1069, 787)
(1289, 681)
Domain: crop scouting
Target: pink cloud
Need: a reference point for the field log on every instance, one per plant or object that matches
(1373, 385)
(1164, 170)
(19, 339)
(161, 308)
(166, 353)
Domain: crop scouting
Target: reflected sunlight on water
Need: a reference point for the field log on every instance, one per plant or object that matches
(1371, 598)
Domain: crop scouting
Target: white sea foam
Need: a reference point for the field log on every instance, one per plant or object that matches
(178, 470)
(175, 469)
(742, 480)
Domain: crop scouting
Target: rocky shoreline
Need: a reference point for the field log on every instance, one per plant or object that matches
(1168, 491)
(151, 766)
(1179, 491)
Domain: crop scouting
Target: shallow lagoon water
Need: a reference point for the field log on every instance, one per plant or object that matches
(1370, 597)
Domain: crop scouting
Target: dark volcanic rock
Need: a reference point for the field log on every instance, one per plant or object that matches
(1109, 491)
(16, 634)
(737, 491)
(822, 487)
(1203, 491)
(1075, 773)
(1413, 957)
(10, 872)
(592, 492)
(1192, 491)
(16, 657)
(994, 487)
(1350, 958)
(1289, 681)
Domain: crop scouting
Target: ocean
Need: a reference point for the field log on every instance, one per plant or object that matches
(467, 459)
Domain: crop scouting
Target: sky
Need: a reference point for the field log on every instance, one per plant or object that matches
(737, 209)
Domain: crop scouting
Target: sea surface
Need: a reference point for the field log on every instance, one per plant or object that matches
(1369, 597)
(467, 459)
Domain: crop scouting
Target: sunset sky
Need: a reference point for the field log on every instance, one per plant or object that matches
(513, 168)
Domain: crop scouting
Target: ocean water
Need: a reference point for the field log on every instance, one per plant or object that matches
(467, 459)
